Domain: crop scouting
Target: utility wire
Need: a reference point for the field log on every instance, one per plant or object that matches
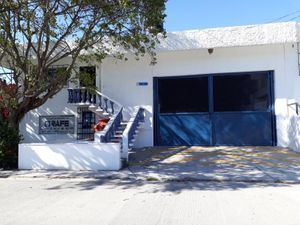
(285, 16)
(294, 17)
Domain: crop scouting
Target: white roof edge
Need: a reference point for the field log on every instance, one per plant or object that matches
(238, 36)
(298, 32)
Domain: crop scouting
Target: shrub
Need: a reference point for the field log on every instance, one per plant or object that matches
(9, 133)
(9, 140)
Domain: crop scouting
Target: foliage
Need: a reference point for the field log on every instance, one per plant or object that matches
(9, 135)
(37, 34)
(9, 139)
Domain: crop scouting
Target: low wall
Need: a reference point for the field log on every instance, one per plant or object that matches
(70, 156)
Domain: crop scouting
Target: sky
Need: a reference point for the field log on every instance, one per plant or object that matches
(199, 14)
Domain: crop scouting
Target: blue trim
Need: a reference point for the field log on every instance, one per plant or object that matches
(70, 96)
(78, 95)
(215, 74)
(211, 108)
(184, 113)
(115, 124)
(142, 83)
(155, 112)
(139, 118)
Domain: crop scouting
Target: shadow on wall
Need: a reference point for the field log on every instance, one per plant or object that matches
(56, 106)
(70, 156)
(288, 131)
(144, 137)
(294, 133)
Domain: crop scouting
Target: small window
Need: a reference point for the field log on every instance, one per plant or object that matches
(87, 76)
(183, 94)
(56, 73)
(247, 92)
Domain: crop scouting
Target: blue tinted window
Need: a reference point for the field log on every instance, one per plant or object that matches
(183, 94)
(247, 92)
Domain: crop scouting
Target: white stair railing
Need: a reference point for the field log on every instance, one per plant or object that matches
(97, 101)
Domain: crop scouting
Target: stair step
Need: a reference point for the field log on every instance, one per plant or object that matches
(99, 109)
(131, 145)
(82, 104)
(92, 106)
(114, 137)
(118, 136)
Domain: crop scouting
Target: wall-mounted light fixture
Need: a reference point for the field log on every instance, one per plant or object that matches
(210, 50)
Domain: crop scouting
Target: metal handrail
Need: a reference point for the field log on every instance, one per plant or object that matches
(297, 106)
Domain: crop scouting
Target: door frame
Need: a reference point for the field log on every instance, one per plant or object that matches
(271, 93)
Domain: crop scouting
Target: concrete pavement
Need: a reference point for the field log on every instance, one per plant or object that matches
(238, 164)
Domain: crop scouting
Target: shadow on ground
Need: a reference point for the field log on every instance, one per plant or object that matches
(204, 168)
(240, 164)
(175, 169)
(168, 186)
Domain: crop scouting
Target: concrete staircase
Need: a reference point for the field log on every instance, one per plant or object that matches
(118, 135)
(117, 130)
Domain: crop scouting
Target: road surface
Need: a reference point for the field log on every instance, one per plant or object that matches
(37, 201)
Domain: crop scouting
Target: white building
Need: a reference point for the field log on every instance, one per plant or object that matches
(225, 86)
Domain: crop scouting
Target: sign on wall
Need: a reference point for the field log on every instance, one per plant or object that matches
(60, 124)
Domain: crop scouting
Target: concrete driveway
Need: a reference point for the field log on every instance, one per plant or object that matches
(244, 164)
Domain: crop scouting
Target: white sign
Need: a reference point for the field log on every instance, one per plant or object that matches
(62, 124)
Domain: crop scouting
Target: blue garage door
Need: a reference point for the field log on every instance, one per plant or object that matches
(226, 109)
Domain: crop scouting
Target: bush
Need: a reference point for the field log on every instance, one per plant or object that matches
(9, 140)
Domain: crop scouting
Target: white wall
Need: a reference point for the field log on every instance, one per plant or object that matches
(119, 81)
(70, 156)
(57, 105)
(119, 78)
